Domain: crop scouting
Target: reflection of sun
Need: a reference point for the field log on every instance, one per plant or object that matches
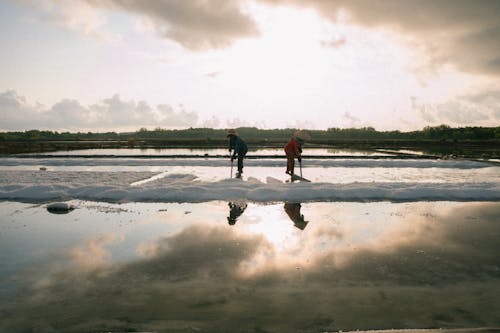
(272, 223)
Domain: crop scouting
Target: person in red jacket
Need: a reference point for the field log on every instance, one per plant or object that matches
(293, 149)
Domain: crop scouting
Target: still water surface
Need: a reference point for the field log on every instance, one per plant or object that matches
(213, 152)
(246, 267)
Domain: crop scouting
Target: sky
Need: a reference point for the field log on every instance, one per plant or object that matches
(119, 65)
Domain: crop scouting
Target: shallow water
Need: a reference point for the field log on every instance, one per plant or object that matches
(176, 258)
(248, 267)
(212, 152)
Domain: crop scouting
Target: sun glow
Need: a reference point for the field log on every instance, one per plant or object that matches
(305, 69)
(272, 223)
(274, 66)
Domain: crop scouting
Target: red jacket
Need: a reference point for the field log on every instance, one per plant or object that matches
(293, 149)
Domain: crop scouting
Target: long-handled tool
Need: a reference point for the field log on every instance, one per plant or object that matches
(302, 179)
(231, 168)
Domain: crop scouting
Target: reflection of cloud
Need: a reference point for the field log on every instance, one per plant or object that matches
(18, 114)
(93, 254)
(445, 248)
(448, 268)
(198, 250)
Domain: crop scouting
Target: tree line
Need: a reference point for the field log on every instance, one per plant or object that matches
(437, 133)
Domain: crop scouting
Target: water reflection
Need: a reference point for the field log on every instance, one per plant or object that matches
(236, 208)
(208, 152)
(293, 212)
(359, 266)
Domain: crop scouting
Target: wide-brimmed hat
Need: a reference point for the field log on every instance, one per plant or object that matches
(231, 132)
(302, 135)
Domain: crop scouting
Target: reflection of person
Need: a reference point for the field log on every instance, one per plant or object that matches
(293, 149)
(293, 212)
(235, 210)
(239, 148)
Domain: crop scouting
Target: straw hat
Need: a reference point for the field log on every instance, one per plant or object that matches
(302, 135)
(231, 132)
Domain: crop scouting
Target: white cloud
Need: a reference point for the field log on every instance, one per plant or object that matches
(460, 32)
(75, 15)
(476, 109)
(15, 110)
(212, 122)
(459, 113)
(195, 24)
(109, 114)
(211, 75)
(237, 122)
(349, 120)
(335, 42)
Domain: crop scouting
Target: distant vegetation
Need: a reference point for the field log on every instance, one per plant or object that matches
(367, 138)
(442, 132)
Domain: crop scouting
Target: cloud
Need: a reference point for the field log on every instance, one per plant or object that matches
(461, 32)
(459, 113)
(76, 16)
(350, 120)
(15, 110)
(196, 24)
(211, 75)
(109, 114)
(212, 122)
(237, 122)
(301, 124)
(487, 99)
(476, 109)
(490, 97)
(335, 42)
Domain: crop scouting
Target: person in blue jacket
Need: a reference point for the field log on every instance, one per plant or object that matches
(239, 148)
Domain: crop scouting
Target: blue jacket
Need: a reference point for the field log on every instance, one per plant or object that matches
(238, 145)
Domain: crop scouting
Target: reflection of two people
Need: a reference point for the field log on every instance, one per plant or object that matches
(236, 208)
(293, 211)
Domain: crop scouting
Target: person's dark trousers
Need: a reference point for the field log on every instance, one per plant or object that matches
(240, 163)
